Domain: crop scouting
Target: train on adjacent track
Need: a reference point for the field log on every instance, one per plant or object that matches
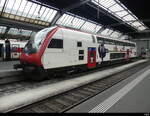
(58, 49)
(10, 49)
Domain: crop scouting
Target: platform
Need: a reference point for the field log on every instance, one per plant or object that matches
(7, 65)
(8, 102)
(129, 96)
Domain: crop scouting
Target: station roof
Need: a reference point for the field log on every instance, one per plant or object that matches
(116, 14)
(95, 16)
(108, 11)
(141, 9)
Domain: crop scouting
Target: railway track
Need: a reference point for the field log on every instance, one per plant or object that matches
(65, 101)
(11, 76)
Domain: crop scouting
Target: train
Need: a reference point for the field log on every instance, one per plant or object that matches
(10, 49)
(59, 49)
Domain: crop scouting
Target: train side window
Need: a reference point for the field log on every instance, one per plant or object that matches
(81, 57)
(81, 51)
(56, 43)
(100, 40)
(79, 44)
(81, 54)
(93, 38)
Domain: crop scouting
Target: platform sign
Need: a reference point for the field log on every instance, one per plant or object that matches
(91, 57)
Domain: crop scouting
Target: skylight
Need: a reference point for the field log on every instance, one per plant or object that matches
(116, 8)
(2, 29)
(78, 23)
(107, 32)
(115, 34)
(14, 31)
(27, 10)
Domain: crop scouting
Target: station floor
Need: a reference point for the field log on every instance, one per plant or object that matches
(7, 65)
(129, 96)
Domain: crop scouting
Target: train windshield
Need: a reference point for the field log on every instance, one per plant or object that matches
(36, 40)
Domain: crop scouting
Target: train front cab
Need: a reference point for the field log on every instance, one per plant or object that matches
(31, 56)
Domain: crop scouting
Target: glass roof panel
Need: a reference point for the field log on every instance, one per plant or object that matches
(41, 12)
(106, 3)
(122, 13)
(129, 18)
(49, 12)
(124, 37)
(1, 4)
(77, 23)
(69, 21)
(2, 29)
(141, 28)
(16, 6)
(137, 24)
(60, 21)
(89, 27)
(13, 31)
(28, 9)
(116, 8)
(25, 32)
(45, 14)
(10, 5)
(52, 15)
(115, 34)
(21, 8)
(35, 13)
(32, 10)
(98, 27)
(107, 32)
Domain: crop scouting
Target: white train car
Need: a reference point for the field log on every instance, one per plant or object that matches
(12, 50)
(56, 48)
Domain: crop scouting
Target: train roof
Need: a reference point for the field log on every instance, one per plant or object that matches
(96, 34)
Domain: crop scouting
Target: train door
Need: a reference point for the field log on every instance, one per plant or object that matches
(91, 57)
(1, 52)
